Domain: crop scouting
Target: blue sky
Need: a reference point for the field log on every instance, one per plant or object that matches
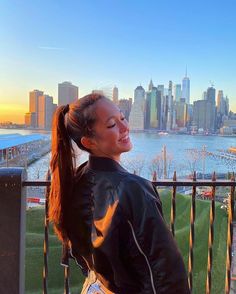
(102, 43)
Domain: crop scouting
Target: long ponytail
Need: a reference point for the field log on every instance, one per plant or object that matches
(62, 171)
(69, 122)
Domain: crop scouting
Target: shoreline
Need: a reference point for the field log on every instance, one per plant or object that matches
(158, 132)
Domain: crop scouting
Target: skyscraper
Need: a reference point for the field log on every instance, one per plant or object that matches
(170, 110)
(203, 115)
(30, 119)
(151, 117)
(136, 119)
(45, 113)
(162, 122)
(211, 95)
(150, 86)
(186, 88)
(177, 92)
(67, 93)
(125, 106)
(115, 95)
(220, 102)
(33, 105)
(181, 113)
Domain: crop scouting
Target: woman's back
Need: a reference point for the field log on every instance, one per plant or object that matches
(132, 250)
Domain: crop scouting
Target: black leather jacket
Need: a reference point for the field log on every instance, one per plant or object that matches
(133, 251)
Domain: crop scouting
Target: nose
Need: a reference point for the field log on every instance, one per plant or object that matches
(123, 126)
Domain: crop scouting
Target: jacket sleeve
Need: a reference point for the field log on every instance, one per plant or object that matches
(158, 261)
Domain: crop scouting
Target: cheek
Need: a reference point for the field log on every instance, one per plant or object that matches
(107, 137)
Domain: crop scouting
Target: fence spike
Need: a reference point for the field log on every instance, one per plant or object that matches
(233, 177)
(213, 178)
(174, 176)
(154, 177)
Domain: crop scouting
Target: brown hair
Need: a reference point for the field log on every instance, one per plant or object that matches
(69, 122)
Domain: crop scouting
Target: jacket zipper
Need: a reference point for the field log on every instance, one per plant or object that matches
(141, 251)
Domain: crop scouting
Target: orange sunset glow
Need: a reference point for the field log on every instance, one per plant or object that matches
(13, 112)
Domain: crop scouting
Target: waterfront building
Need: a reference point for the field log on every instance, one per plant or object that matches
(204, 115)
(229, 127)
(151, 117)
(30, 120)
(211, 97)
(170, 110)
(219, 101)
(33, 104)
(186, 88)
(125, 106)
(227, 105)
(181, 112)
(164, 112)
(222, 103)
(46, 108)
(177, 92)
(162, 123)
(189, 119)
(67, 93)
(221, 109)
(136, 119)
(115, 95)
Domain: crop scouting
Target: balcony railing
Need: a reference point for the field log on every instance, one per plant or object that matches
(13, 185)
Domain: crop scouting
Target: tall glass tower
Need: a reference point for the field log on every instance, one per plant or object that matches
(186, 88)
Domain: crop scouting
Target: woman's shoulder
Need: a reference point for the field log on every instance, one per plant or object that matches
(135, 180)
(134, 186)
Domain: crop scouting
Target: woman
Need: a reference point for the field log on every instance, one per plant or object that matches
(112, 220)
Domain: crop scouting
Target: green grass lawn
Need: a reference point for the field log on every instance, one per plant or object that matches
(35, 236)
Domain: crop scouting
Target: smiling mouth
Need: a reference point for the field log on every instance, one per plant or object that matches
(124, 139)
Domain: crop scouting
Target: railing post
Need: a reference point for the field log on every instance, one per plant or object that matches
(12, 230)
(192, 234)
(173, 206)
(229, 238)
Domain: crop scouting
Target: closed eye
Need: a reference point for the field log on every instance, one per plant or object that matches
(112, 126)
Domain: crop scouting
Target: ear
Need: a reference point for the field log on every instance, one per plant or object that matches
(88, 143)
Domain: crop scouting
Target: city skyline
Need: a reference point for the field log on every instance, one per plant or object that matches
(99, 44)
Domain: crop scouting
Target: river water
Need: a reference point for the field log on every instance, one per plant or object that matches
(183, 154)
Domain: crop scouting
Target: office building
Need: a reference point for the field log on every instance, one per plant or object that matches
(170, 122)
(204, 115)
(211, 95)
(186, 89)
(181, 112)
(151, 113)
(30, 120)
(177, 92)
(45, 112)
(125, 106)
(136, 119)
(115, 95)
(67, 93)
(33, 104)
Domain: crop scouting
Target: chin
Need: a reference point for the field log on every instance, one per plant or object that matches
(128, 148)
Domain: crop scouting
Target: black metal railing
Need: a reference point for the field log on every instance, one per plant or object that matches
(172, 184)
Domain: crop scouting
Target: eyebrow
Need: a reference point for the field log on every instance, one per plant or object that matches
(112, 116)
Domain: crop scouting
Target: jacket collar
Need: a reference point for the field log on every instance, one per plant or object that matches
(104, 164)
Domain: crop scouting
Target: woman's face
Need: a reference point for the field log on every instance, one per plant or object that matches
(111, 131)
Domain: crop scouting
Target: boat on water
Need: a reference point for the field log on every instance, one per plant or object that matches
(163, 133)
